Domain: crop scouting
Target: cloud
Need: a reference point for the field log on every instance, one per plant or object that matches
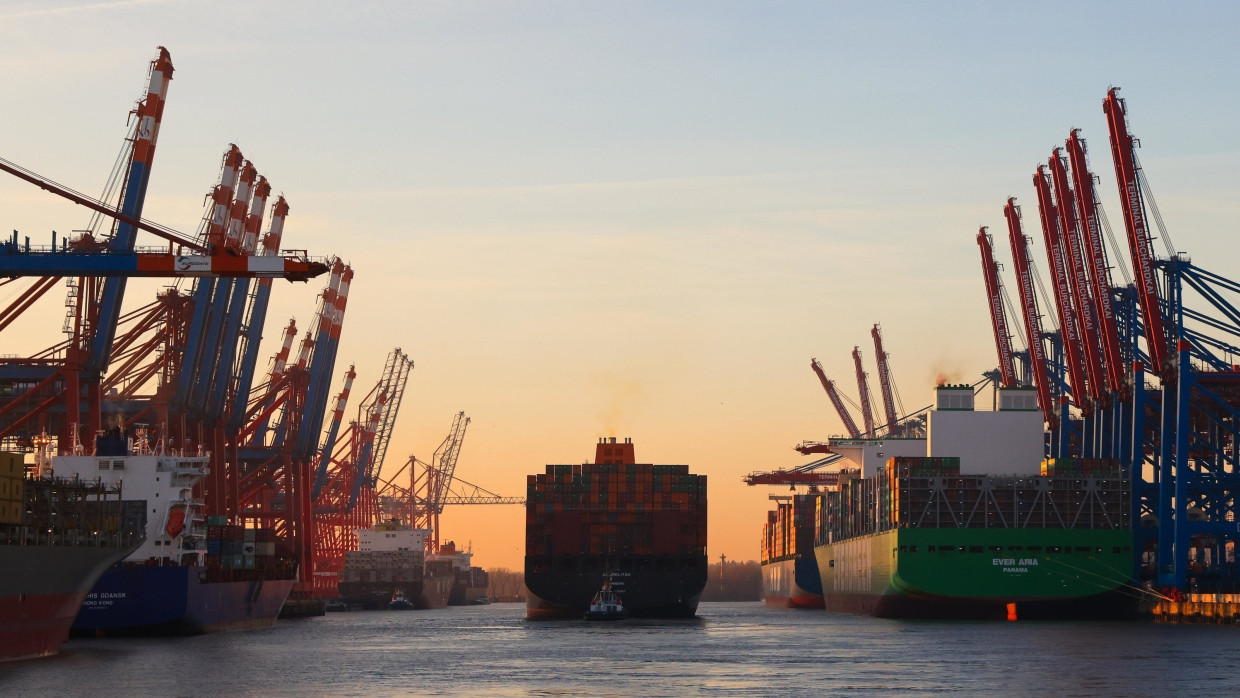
(78, 9)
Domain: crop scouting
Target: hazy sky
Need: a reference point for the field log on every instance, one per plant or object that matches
(638, 219)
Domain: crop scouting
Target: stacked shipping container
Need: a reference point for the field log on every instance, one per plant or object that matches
(12, 488)
(614, 508)
(789, 529)
(232, 547)
(931, 493)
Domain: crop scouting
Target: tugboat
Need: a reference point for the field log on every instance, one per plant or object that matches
(400, 603)
(606, 604)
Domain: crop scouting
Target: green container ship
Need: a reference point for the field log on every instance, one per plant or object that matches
(917, 538)
(912, 543)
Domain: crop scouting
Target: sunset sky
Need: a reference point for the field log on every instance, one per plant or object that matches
(635, 219)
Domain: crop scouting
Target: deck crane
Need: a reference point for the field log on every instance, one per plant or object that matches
(1065, 303)
(884, 380)
(998, 319)
(1127, 174)
(829, 386)
(1095, 253)
(1078, 275)
(863, 386)
(1029, 306)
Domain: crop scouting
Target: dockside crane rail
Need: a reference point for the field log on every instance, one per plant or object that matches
(998, 318)
(829, 386)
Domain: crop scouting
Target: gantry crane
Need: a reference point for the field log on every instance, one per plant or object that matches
(420, 503)
(1031, 315)
(998, 319)
(829, 386)
(863, 387)
(886, 384)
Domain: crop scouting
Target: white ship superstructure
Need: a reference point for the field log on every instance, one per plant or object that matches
(165, 480)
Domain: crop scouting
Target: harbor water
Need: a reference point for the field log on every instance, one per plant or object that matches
(730, 649)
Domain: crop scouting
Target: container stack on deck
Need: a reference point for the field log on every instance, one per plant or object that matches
(616, 508)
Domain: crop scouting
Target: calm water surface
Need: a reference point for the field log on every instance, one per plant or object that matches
(731, 649)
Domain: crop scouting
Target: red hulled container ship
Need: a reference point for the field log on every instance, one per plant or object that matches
(57, 536)
(642, 526)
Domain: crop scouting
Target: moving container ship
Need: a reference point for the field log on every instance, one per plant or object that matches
(642, 526)
(470, 583)
(391, 562)
(790, 576)
(57, 536)
(192, 574)
(938, 537)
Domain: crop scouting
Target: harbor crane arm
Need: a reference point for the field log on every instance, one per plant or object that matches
(1127, 174)
(829, 386)
(994, 296)
(1095, 253)
(884, 380)
(1064, 302)
(1082, 291)
(1029, 305)
(863, 386)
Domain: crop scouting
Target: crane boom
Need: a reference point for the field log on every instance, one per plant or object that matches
(1082, 291)
(884, 380)
(863, 386)
(1029, 305)
(998, 320)
(829, 386)
(1100, 274)
(1139, 241)
(1064, 302)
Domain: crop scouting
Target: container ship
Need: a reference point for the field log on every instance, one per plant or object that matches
(642, 526)
(790, 576)
(391, 562)
(57, 536)
(993, 533)
(192, 574)
(470, 583)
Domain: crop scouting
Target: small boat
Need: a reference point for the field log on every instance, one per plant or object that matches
(606, 604)
(481, 601)
(400, 603)
(337, 605)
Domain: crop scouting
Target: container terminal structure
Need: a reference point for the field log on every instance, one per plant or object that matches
(1139, 376)
(639, 525)
(183, 368)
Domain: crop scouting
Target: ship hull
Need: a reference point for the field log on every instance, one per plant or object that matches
(997, 573)
(652, 587)
(792, 583)
(432, 591)
(41, 590)
(179, 600)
